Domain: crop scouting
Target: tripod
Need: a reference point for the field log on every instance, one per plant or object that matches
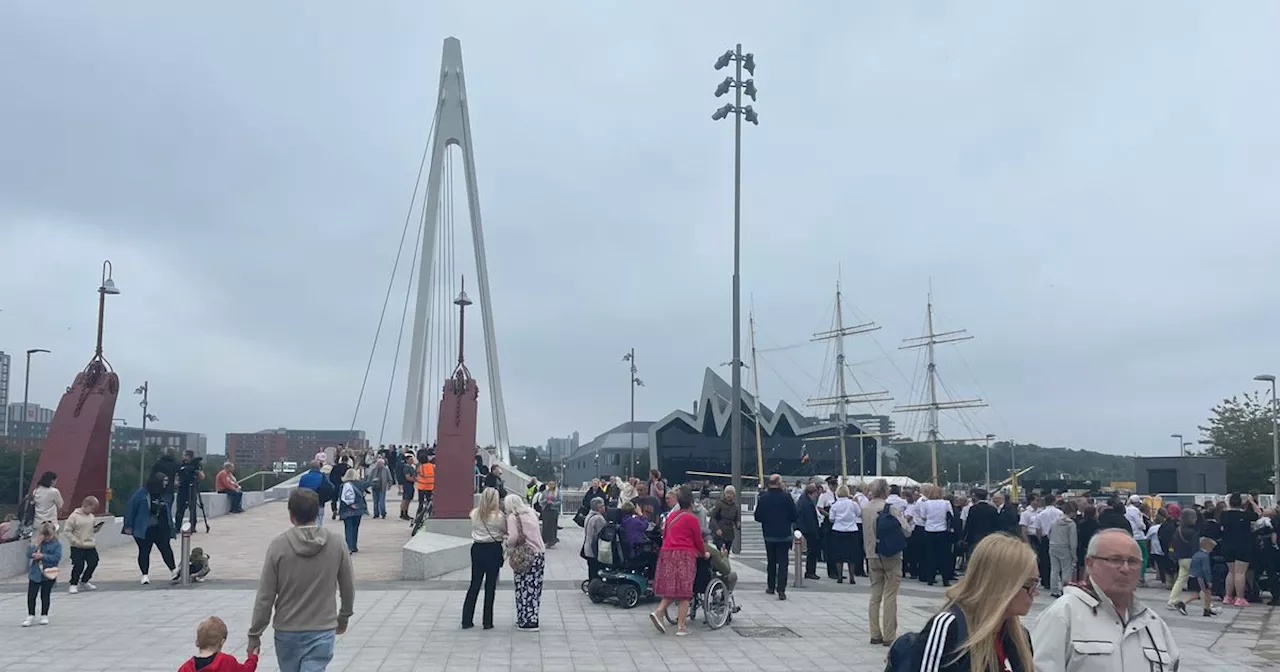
(189, 504)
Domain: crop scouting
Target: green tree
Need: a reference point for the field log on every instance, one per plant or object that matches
(1239, 429)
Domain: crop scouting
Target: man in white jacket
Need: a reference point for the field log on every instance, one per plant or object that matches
(1101, 627)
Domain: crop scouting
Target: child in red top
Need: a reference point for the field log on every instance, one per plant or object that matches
(211, 634)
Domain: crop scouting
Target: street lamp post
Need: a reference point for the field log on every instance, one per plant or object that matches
(1013, 470)
(105, 288)
(635, 382)
(145, 390)
(22, 455)
(739, 112)
(1181, 444)
(1275, 433)
(989, 437)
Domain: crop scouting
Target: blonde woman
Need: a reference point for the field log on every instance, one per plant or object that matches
(522, 531)
(980, 627)
(845, 541)
(488, 531)
(44, 554)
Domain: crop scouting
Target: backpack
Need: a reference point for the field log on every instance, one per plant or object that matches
(890, 539)
(606, 544)
(906, 654)
(325, 492)
(27, 511)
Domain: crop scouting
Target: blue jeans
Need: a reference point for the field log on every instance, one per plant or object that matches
(379, 503)
(304, 651)
(233, 499)
(352, 528)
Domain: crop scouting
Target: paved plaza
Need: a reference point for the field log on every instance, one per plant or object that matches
(415, 625)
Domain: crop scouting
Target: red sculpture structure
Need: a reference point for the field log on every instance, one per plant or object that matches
(79, 439)
(456, 434)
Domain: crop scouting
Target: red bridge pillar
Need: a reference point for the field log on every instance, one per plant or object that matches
(80, 436)
(456, 448)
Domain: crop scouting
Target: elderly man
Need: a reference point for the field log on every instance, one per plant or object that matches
(1100, 626)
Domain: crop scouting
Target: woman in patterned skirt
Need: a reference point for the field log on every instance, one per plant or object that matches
(678, 562)
(522, 528)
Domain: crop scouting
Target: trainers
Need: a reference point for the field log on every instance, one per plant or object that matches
(74, 589)
(146, 579)
(44, 620)
(1181, 607)
(28, 621)
(88, 586)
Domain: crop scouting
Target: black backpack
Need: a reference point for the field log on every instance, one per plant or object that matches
(325, 492)
(906, 654)
(890, 539)
(27, 511)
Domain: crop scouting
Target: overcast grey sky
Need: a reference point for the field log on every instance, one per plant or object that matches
(1091, 187)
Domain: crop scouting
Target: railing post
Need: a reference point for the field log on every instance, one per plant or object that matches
(184, 570)
(797, 579)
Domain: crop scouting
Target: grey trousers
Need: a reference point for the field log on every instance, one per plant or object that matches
(1062, 567)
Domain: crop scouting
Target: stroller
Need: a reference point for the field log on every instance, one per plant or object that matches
(629, 578)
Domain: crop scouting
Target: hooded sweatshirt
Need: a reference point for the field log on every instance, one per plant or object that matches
(304, 567)
(1062, 534)
(79, 529)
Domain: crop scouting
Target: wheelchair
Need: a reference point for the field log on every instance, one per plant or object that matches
(711, 596)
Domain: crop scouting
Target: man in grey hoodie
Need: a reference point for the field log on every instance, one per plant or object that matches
(304, 567)
(1062, 548)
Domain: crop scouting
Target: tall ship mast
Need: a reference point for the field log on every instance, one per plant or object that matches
(842, 398)
(934, 406)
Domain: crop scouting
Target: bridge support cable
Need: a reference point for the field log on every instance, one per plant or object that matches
(395, 266)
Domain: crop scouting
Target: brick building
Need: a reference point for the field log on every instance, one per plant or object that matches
(263, 448)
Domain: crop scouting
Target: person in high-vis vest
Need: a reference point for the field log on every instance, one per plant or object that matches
(426, 484)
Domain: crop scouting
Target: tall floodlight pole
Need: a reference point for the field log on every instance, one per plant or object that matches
(22, 455)
(748, 62)
(635, 382)
(1275, 433)
(989, 438)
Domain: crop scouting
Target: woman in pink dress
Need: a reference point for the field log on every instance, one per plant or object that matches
(678, 562)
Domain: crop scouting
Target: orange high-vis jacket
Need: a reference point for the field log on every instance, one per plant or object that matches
(427, 477)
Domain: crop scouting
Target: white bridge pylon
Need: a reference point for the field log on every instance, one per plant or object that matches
(453, 127)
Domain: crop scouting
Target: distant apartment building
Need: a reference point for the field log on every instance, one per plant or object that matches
(560, 449)
(4, 393)
(125, 437)
(34, 425)
(264, 448)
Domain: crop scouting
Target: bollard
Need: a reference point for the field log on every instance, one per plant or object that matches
(797, 581)
(184, 570)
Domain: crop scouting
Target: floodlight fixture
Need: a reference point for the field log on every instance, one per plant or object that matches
(749, 64)
(750, 115)
(749, 88)
(724, 87)
(724, 60)
(722, 112)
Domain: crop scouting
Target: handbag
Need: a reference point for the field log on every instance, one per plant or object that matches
(521, 556)
(50, 573)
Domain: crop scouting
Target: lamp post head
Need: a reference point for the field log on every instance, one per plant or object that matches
(108, 285)
(1175, 436)
(462, 299)
(33, 351)
(1265, 377)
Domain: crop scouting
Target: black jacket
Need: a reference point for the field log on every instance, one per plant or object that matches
(777, 515)
(983, 520)
(1008, 517)
(807, 517)
(1114, 519)
(948, 626)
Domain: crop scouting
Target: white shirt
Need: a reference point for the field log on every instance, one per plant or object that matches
(797, 493)
(964, 511)
(1046, 518)
(844, 515)
(897, 502)
(861, 499)
(934, 512)
(915, 511)
(1134, 516)
(1027, 519)
(826, 499)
